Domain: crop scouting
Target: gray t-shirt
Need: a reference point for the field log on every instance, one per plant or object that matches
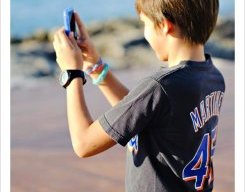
(169, 124)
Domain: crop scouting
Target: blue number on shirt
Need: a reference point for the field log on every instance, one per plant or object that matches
(133, 144)
(213, 143)
(214, 137)
(197, 168)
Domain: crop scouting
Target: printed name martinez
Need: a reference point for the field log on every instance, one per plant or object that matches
(208, 108)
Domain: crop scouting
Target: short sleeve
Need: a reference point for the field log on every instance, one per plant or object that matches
(135, 111)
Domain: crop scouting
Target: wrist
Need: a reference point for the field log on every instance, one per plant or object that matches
(96, 74)
(75, 83)
(95, 70)
(102, 76)
(67, 76)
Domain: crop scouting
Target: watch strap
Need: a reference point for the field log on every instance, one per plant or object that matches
(75, 74)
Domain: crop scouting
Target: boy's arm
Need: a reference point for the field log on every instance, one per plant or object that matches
(111, 87)
(88, 137)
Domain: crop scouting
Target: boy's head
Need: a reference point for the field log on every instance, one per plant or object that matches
(195, 19)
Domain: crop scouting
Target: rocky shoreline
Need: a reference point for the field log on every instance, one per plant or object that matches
(120, 42)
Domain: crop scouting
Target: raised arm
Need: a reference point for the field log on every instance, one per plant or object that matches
(88, 137)
(111, 87)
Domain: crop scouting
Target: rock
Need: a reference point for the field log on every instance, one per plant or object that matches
(136, 42)
(51, 34)
(29, 58)
(16, 40)
(221, 43)
(120, 42)
(217, 50)
(29, 46)
(40, 35)
(141, 57)
(109, 46)
(113, 26)
(226, 29)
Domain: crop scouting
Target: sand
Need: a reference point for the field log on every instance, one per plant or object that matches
(42, 158)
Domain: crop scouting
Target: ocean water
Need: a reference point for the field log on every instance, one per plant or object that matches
(29, 15)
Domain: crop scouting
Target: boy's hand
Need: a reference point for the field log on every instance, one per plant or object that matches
(90, 54)
(68, 54)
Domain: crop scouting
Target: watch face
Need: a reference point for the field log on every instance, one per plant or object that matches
(64, 76)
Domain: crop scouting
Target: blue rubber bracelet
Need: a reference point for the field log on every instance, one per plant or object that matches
(102, 75)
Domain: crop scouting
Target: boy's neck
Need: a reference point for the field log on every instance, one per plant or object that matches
(185, 52)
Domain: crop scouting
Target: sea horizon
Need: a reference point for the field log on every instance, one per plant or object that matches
(28, 16)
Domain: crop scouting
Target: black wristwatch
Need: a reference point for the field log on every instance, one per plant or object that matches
(68, 75)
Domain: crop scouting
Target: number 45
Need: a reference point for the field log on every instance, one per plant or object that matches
(199, 168)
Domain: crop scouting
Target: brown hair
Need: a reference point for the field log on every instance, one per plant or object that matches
(195, 18)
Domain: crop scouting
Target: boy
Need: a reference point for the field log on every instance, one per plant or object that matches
(169, 121)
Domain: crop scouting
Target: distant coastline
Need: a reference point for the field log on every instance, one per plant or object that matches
(119, 41)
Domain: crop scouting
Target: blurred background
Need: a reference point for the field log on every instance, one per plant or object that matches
(42, 158)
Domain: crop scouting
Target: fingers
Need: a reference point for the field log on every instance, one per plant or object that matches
(56, 38)
(81, 28)
(63, 38)
(73, 40)
(56, 42)
(61, 41)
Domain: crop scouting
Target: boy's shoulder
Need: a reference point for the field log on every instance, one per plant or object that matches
(190, 75)
(164, 72)
(187, 69)
(156, 78)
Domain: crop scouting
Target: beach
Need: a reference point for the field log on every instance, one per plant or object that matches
(42, 158)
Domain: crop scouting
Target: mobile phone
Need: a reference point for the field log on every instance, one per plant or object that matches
(69, 21)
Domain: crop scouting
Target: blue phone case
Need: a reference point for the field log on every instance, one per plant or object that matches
(69, 21)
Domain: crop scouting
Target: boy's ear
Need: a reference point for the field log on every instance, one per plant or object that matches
(168, 26)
